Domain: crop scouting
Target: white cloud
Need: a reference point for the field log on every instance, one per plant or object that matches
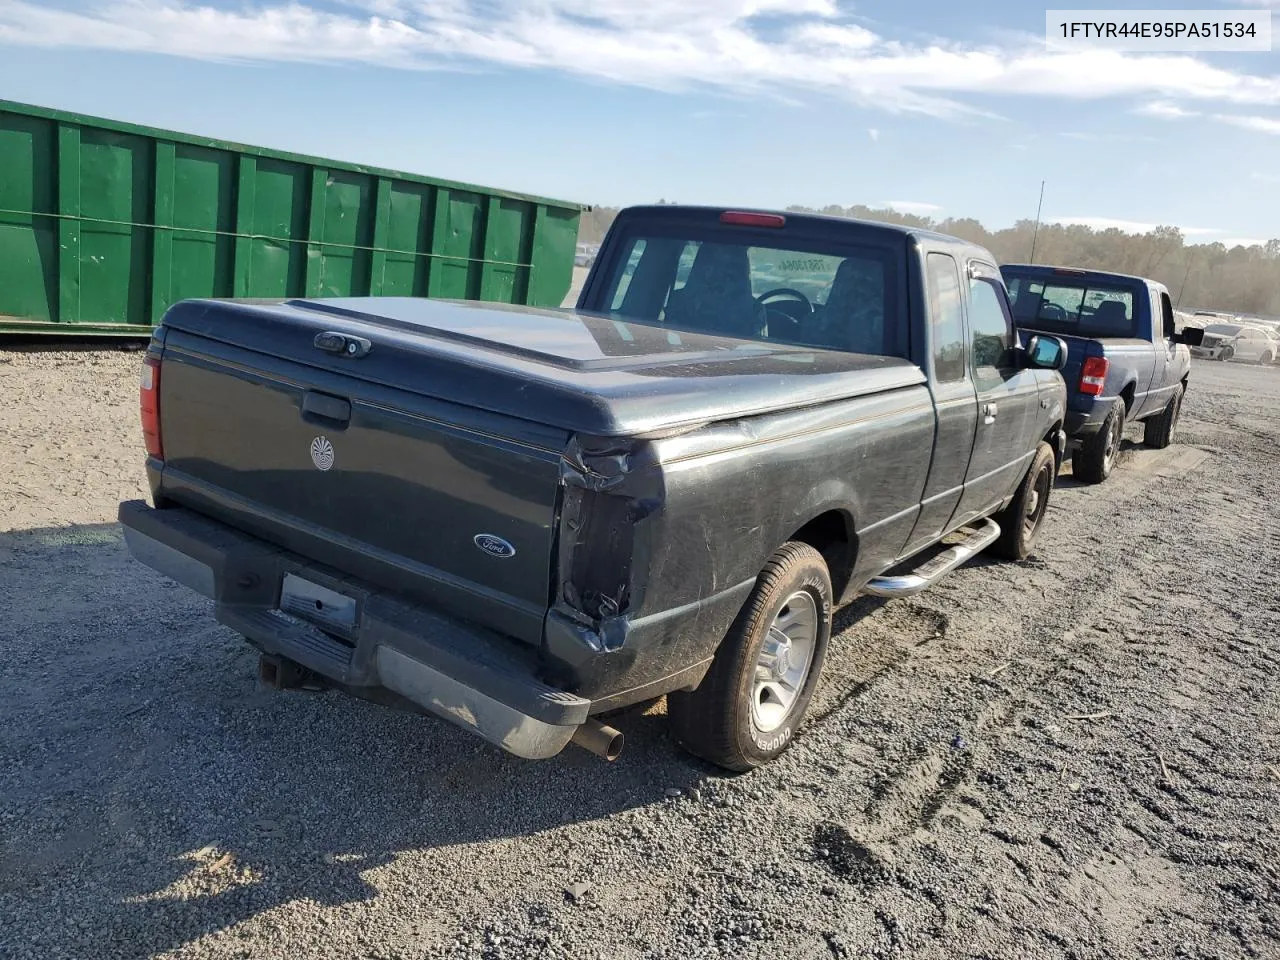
(1165, 110)
(916, 207)
(874, 134)
(726, 45)
(1171, 111)
(1129, 226)
(1260, 124)
(831, 37)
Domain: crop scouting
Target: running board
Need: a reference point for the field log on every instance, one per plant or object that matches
(929, 573)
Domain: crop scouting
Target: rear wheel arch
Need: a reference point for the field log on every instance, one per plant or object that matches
(1127, 394)
(833, 535)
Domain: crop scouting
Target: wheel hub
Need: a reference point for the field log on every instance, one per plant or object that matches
(782, 666)
(778, 649)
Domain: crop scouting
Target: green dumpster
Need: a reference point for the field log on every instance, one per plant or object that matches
(103, 225)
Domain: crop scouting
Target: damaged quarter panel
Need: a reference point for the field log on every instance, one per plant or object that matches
(661, 540)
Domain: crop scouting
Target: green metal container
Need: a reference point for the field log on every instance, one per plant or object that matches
(104, 225)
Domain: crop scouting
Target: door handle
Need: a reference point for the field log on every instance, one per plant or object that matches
(989, 411)
(330, 411)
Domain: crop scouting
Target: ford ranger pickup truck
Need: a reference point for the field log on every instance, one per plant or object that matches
(521, 520)
(1127, 362)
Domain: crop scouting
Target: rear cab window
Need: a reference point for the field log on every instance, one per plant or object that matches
(760, 284)
(1075, 307)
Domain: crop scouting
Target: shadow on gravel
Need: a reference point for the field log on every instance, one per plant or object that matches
(156, 793)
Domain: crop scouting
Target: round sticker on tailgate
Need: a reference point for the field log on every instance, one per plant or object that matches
(322, 453)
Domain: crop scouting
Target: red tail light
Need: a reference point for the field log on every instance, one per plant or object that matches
(741, 218)
(149, 404)
(1093, 376)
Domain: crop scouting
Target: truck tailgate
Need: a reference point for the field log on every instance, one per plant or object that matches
(430, 498)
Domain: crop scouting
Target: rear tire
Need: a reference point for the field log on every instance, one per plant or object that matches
(1096, 458)
(1020, 522)
(752, 700)
(1157, 433)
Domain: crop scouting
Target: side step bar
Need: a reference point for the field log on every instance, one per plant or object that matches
(930, 572)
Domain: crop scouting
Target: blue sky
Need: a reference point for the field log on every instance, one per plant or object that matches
(937, 107)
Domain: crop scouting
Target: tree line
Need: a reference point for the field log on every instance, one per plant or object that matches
(1202, 276)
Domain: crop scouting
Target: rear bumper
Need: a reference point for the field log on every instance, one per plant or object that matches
(470, 676)
(1084, 423)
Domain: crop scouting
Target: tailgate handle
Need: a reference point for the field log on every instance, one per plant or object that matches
(342, 344)
(331, 409)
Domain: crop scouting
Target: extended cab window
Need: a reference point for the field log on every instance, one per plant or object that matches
(991, 332)
(946, 317)
(837, 298)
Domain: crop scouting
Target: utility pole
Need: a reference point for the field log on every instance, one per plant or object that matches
(1035, 233)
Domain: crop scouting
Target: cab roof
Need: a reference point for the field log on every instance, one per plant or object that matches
(815, 221)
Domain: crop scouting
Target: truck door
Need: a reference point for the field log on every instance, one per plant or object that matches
(1169, 374)
(954, 400)
(1008, 397)
(1151, 362)
(1165, 376)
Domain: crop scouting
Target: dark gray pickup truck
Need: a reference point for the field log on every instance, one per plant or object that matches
(522, 519)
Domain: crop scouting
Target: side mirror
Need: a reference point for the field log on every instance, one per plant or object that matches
(1046, 353)
(1191, 336)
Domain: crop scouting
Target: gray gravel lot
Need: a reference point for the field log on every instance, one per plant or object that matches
(1077, 756)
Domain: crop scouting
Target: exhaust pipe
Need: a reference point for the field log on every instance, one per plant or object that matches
(604, 741)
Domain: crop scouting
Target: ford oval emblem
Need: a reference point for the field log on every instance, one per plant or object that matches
(493, 545)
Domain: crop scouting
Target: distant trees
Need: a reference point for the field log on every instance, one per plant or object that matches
(1206, 276)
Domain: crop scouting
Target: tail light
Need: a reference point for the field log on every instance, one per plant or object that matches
(149, 404)
(742, 218)
(1093, 376)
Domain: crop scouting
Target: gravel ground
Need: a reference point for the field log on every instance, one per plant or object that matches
(1077, 756)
